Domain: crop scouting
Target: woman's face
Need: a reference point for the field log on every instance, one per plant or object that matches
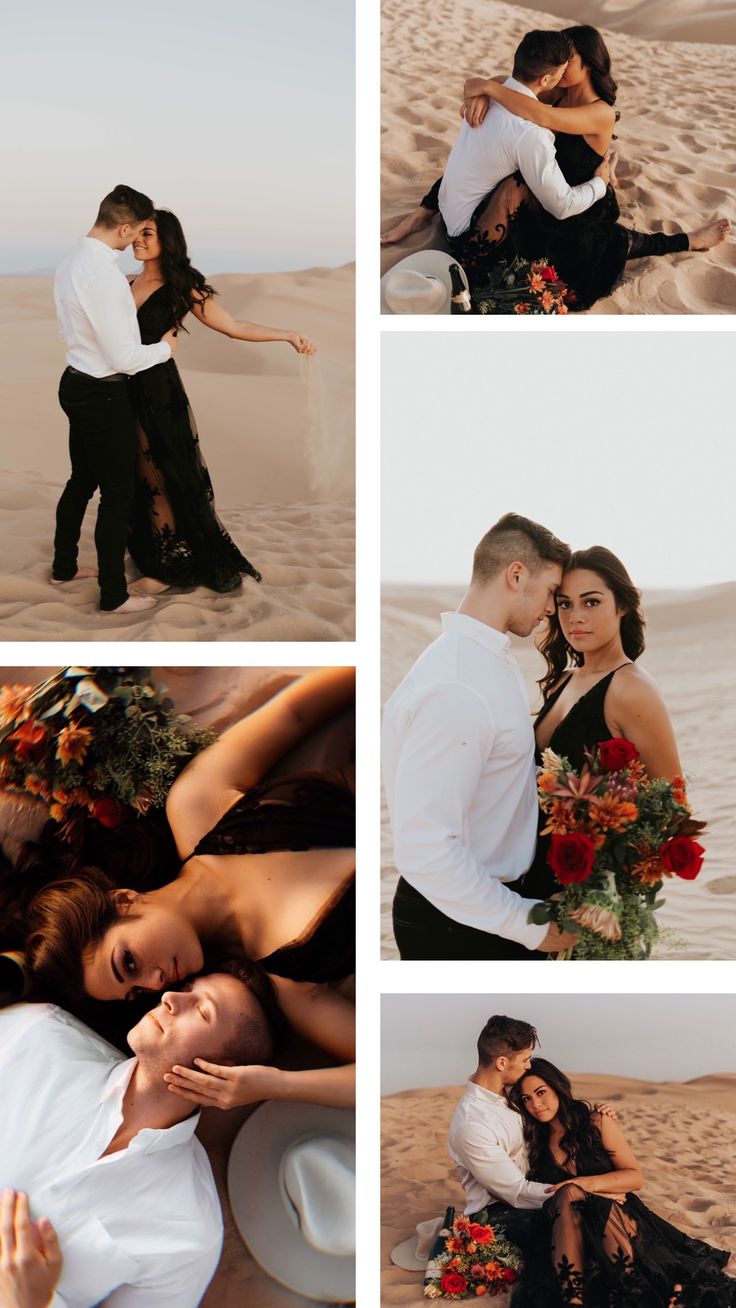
(538, 1099)
(151, 947)
(146, 244)
(574, 72)
(587, 610)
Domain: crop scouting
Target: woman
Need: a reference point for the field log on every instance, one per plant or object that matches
(598, 627)
(176, 537)
(267, 871)
(589, 250)
(596, 1243)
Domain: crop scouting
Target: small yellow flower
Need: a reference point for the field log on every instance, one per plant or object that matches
(73, 743)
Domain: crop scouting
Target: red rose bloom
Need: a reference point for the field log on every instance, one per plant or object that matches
(617, 753)
(108, 813)
(549, 273)
(571, 857)
(682, 856)
(29, 739)
(508, 1274)
(452, 1283)
(481, 1234)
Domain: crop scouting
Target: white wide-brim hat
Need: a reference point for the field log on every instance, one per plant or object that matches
(291, 1182)
(420, 283)
(412, 1254)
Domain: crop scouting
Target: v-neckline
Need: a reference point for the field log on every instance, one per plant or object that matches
(138, 307)
(551, 702)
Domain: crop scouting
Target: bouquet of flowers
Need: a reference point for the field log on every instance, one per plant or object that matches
(103, 743)
(476, 1260)
(517, 286)
(616, 836)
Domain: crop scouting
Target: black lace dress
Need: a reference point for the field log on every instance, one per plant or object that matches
(582, 728)
(307, 811)
(620, 1256)
(175, 534)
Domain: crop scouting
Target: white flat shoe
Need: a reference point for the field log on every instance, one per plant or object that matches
(78, 575)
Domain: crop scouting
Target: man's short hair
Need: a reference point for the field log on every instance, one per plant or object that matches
(503, 1036)
(540, 53)
(514, 539)
(261, 1029)
(124, 205)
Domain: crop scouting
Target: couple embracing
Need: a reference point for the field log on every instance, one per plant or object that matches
(460, 744)
(532, 172)
(559, 1179)
(132, 434)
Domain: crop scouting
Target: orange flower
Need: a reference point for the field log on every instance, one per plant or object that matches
(613, 814)
(560, 820)
(493, 1269)
(454, 1245)
(481, 1289)
(29, 740)
(679, 791)
(536, 283)
(14, 706)
(562, 307)
(521, 308)
(73, 743)
(461, 1223)
(547, 782)
(649, 871)
(548, 300)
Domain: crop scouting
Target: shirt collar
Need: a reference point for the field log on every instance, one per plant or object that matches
(150, 1139)
(461, 624)
(99, 249)
(490, 1096)
(519, 86)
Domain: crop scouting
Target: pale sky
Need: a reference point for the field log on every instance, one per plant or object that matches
(429, 1040)
(617, 439)
(238, 117)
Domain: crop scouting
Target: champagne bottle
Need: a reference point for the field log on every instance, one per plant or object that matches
(460, 295)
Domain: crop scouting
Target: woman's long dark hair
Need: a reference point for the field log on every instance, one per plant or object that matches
(179, 276)
(578, 1132)
(593, 51)
(555, 649)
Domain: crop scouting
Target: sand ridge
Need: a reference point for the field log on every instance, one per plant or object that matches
(676, 135)
(682, 1135)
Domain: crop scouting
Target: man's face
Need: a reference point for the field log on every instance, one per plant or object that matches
(535, 598)
(198, 1021)
(127, 234)
(551, 79)
(515, 1065)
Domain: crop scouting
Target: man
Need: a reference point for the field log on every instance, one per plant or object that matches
(98, 323)
(498, 147)
(106, 1154)
(458, 755)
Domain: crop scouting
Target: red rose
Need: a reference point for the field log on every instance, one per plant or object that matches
(108, 813)
(451, 1283)
(617, 753)
(508, 1274)
(682, 856)
(481, 1234)
(571, 857)
(29, 740)
(549, 274)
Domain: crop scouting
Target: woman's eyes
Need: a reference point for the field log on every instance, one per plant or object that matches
(203, 1014)
(129, 964)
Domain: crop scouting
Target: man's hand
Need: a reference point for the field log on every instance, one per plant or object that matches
(604, 170)
(474, 109)
(171, 340)
(606, 1110)
(222, 1087)
(30, 1258)
(557, 941)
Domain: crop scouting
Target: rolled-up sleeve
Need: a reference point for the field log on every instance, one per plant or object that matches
(102, 302)
(478, 1149)
(544, 177)
(446, 742)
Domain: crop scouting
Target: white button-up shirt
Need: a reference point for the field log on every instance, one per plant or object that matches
(140, 1228)
(486, 1143)
(97, 315)
(502, 144)
(458, 762)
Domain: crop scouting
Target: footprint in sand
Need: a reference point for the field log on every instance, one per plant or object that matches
(693, 143)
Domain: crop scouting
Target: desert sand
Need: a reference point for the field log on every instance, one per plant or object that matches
(681, 1133)
(217, 697)
(689, 635)
(277, 434)
(675, 136)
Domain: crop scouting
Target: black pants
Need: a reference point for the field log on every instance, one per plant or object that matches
(644, 244)
(423, 931)
(102, 447)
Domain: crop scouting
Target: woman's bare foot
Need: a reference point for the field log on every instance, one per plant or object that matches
(78, 575)
(147, 586)
(613, 162)
(705, 238)
(413, 222)
(730, 1268)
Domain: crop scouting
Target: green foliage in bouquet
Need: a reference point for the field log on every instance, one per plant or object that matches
(518, 286)
(470, 1260)
(615, 836)
(103, 743)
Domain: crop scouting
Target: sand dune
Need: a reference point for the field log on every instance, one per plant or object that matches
(678, 150)
(688, 636)
(277, 434)
(681, 1133)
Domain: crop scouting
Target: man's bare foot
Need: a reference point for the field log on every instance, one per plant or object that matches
(730, 1268)
(81, 572)
(705, 238)
(613, 162)
(134, 604)
(413, 222)
(147, 586)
